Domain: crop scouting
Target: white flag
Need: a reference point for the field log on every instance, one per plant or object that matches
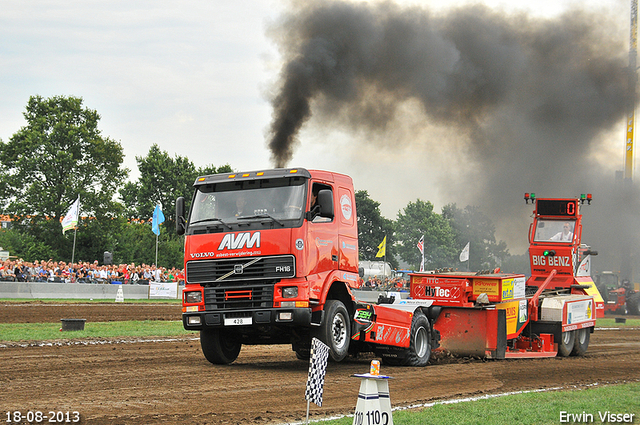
(464, 255)
(71, 219)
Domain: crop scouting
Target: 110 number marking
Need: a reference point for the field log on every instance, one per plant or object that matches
(372, 417)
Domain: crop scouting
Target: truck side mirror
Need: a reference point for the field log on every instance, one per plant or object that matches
(590, 252)
(180, 221)
(325, 200)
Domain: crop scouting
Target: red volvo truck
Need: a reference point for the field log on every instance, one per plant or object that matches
(271, 257)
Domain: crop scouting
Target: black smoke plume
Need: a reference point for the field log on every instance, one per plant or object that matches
(530, 98)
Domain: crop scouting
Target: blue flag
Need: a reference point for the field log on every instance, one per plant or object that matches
(158, 219)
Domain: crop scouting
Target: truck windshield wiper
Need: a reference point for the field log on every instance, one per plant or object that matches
(214, 219)
(265, 215)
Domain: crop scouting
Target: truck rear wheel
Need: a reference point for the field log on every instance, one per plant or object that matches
(419, 347)
(566, 343)
(335, 329)
(582, 342)
(218, 346)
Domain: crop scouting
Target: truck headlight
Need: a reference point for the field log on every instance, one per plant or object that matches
(193, 297)
(290, 292)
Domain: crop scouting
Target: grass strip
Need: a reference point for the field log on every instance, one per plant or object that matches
(611, 323)
(87, 300)
(591, 405)
(15, 332)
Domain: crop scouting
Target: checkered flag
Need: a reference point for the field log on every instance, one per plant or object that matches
(317, 370)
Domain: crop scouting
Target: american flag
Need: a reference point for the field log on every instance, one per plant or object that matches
(421, 248)
(317, 370)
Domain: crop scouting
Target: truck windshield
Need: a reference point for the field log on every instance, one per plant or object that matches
(554, 231)
(228, 204)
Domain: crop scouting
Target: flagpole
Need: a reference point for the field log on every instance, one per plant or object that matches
(156, 251)
(73, 252)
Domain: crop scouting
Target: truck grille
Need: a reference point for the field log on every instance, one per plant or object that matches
(238, 297)
(240, 269)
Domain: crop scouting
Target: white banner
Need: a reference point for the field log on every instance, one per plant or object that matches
(163, 290)
(70, 220)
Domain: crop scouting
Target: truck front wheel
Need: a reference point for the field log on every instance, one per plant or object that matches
(335, 329)
(566, 343)
(218, 346)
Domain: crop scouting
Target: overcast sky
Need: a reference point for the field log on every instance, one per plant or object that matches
(195, 77)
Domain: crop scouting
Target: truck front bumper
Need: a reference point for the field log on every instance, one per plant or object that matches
(270, 316)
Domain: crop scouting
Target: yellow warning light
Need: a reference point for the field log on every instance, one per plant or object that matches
(245, 175)
(201, 179)
(261, 173)
(231, 176)
(293, 171)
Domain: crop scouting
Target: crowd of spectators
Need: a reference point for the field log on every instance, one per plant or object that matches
(84, 272)
(374, 283)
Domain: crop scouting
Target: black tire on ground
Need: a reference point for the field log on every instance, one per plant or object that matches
(420, 346)
(581, 344)
(335, 329)
(633, 304)
(303, 353)
(218, 346)
(391, 361)
(566, 343)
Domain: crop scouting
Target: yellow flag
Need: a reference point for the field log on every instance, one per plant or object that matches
(382, 248)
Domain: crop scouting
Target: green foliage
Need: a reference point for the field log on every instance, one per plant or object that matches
(471, 226)
(418, 219)
(137, 244)
(57, 156)
(24, 246)
(49, 331)
(162, 179)
(372, 229)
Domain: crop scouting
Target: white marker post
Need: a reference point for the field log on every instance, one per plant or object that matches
(374, 404)
(120, 295)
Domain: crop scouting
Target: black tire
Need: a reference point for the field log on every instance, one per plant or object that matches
(391, 361)
(581, 344)
(303, 353)
(633, 304)
(566, 343)
(218, 346)
(420, 345)
(335, 329)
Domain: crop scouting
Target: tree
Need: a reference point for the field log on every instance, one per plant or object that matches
(471, 226)
(137, 244)
(162, 179)
(417, 219)
(59, 155)
(372, 229)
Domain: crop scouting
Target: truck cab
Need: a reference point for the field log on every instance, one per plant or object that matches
(266, 253)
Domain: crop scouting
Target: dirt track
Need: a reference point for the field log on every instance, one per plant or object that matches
(169, 381)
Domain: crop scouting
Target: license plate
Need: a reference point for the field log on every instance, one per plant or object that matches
(238, 321)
